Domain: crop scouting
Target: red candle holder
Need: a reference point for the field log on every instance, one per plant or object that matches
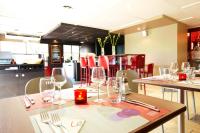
(182, 76)
(80, 96)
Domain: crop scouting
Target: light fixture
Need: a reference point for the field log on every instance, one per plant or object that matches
(138, 28)
(144, 33)
(191, 4)
(188, 34)
(67, 7)
(81, 42)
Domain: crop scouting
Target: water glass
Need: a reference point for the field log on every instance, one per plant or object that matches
(185, 67)
(114, 89)
(47, 89)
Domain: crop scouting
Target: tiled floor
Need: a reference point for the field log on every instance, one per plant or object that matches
(171, 126)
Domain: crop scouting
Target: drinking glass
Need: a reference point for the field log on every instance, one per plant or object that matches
(47, 89)
(114, 89)
(191, 73)
(166, 73)
(59, 79)
(99, 77)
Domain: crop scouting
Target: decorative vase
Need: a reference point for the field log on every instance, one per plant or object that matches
(113, 50)
(102, 51)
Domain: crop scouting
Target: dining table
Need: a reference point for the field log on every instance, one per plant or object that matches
(180, 85)
(16, 118)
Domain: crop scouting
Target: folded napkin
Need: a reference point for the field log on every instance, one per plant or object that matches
(71, 125)
(155, 78)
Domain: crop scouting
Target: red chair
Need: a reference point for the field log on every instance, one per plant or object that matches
(83, 70)
(149, 70)
(91, 64)
(113, 67)
(104, 62)
(124, 62)
(138, 63)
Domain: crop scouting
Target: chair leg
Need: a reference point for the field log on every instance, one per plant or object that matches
(172, 95)
(163, 130)
(163, 93)
(194, 103)
(145, 93)
(187, 106)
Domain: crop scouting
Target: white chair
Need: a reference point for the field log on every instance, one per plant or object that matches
(32, 86)
(129, 76)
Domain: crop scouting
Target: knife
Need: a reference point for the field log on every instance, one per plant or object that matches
(31, 100)
(142, 104)
(27, 103)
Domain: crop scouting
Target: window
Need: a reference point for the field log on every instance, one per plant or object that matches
(71, 52)
(23, 51)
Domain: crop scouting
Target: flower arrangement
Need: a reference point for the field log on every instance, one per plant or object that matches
(113, 39)
(102, 42)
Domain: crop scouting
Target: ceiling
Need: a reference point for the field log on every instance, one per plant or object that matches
(38, 17)
(74, 34)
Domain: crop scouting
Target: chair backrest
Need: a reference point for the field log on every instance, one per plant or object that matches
(103, 62)
(140, 61)
(83, 62)
(32, 86)
(150, 68)
(124, 60)
(91, 61)
(130, 75)
(111, 60)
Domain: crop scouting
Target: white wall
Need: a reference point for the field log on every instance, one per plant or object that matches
(160, 46)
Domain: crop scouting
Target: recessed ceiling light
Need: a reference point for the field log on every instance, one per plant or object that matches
(184, 19)
(191, 4)
(67, 6)
(138, 28)
(81, 42)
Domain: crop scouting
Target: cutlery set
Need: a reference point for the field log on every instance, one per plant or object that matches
(28, 101)
(136, 102)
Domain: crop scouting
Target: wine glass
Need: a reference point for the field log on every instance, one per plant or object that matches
(173, 69)
(185, 67)
(47, 89)
(99, 77)
(59, 79)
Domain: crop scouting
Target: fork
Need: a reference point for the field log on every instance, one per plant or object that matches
(46, 119)
(57, 122)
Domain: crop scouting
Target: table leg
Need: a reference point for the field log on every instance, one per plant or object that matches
(120, 63)
(181, 117)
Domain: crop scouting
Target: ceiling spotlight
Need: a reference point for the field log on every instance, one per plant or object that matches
(144, 33)
(138, 28)
(81, 42)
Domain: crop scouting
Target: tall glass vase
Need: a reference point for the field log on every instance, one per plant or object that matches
(113, 50)
(102, 51)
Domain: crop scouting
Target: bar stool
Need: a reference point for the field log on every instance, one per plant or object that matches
(83, 70)
(91, 64)
(103, 62)
(124, 62)
(112, 65)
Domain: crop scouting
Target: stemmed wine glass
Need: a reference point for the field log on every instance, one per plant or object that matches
(99, 77)
(173, 69)
(59, 79)
(185, 67)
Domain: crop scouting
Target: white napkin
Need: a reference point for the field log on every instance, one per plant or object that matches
(71, 125)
